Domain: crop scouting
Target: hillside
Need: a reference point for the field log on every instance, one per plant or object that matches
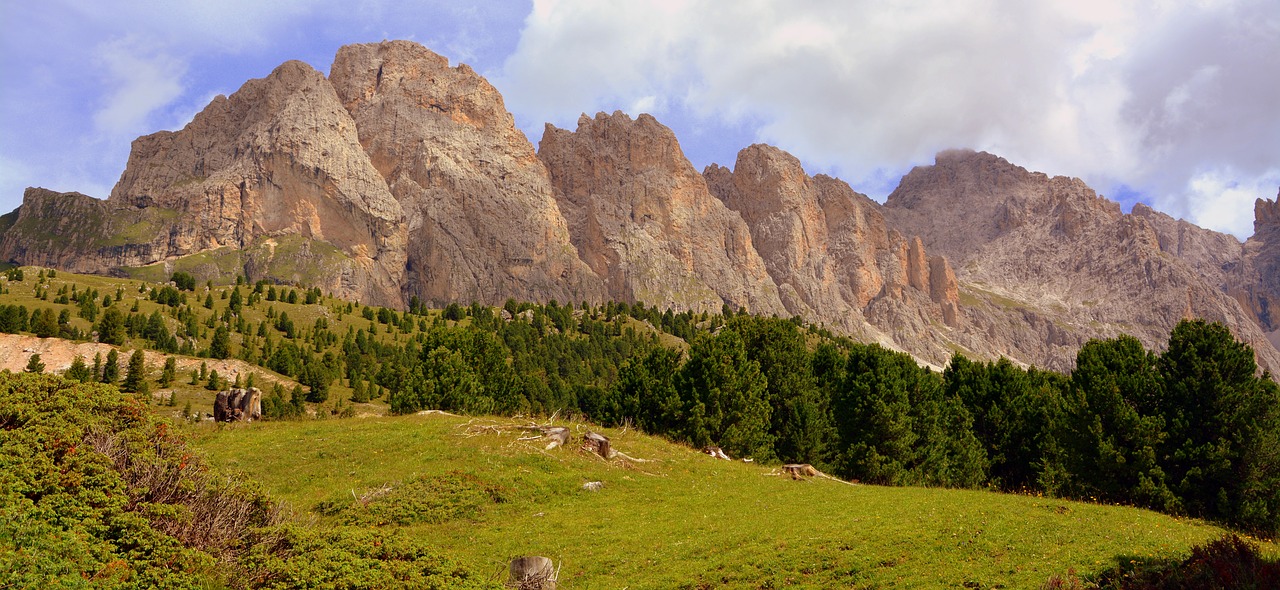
(680, 519)
(1186, 431)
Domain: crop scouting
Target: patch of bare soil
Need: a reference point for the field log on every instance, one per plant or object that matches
(57, 355)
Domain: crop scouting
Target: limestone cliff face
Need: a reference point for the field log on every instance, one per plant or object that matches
(481, 220)
(1258, 282)
(278, 158)
(1050, 264)
(833, 257)
(643, 218)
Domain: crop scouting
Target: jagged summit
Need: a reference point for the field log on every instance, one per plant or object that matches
(1074, 263)
(643, 219)
(399, 177)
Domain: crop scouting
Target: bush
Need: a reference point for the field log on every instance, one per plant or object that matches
(1226, 563)
(343, 557)
(95, 491)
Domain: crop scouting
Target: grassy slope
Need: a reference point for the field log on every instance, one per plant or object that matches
(686, 520)
(683, 520)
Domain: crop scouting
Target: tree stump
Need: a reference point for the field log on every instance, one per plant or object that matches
(532, 573)
(559, 436)
(598, 444)
(799, 470)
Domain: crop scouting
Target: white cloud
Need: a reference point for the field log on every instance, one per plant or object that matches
(1222, 199)
(1138, 93)
(139, 82)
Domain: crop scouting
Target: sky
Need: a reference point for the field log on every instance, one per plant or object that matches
(1175, 103)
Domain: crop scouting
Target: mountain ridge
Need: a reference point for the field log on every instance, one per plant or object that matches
(400, 178)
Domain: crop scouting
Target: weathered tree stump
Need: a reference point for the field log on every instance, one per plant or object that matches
(799, 470)
(532, 573)
(598, 444)
(559, 436)
(238, 405)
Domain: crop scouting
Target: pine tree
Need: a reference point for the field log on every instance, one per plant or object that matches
(34, 365)
(169, 373)
(220, 347)
(215, 383)
(111, 369)
(78, 370)
(111, 330)
(136, 374)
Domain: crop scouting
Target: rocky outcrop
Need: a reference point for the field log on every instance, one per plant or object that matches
(833, 257)
(1048, 263)
(643, 218)
(482, 223)
(1258, 284)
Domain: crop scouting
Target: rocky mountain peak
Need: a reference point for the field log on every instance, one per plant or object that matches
(1266, 215)
(482, 222)
(371, 72)
(832, 255)
(1064, 252)
(643, 218)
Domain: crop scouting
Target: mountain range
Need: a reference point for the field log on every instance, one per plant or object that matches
(399, 178)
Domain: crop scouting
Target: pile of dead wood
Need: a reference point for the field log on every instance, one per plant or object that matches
(238, 405)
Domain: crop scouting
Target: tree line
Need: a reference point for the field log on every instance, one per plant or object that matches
(1192, 430)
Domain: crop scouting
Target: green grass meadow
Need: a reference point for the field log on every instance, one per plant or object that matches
(680, 519)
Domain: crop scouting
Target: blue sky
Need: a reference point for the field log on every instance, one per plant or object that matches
(1174, 103)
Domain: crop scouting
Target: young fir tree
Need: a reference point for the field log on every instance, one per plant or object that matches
(34, 365)
(78, 370)
(136, 374)
(111, 369)
(169, 373)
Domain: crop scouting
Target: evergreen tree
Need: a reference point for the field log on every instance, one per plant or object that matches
(79, 371)
(215, 382)
(724, 395)
(169, 373)
(314, 377)
(136, 373)
(111, 330)
(236, 302)
(34, 365)
(44, 322)
(443, 380)
(220, 346)
(111, 368)
(1111, 430)
(1223, 428)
